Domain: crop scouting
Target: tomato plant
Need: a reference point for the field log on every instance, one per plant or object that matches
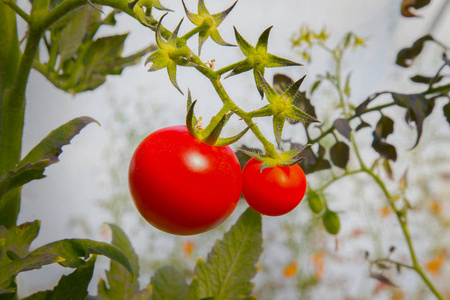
(273, 191)
(181, 185)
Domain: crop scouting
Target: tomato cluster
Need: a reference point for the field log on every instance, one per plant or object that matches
(183, 186)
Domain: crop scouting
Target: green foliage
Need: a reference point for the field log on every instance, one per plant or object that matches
(16, 258)
(230, 266)
(169, 283)
(71, 287)
(84, 62)
(45, 153)
(118, 280)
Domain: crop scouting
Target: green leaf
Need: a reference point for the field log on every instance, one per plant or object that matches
(340, 154)
(362, 125)
(446, 110)
(74, 32)
(231, 264)
(315, 85)
(18, 239)
(347, 86)
(384, 149)
(406, 56)
(426, 79)
(50, 146)
(343, 127)
(313, 163)
(65, 252)
(119, 281)
(169, 283)
(22, 175)
(385, 127)
(418, 108)
(71, 287)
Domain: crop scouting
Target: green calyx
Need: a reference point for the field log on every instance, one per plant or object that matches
(284, 159)
(282, 107)
(210, 135)
(207, 24)
(145, 15)
(171, 53)
(257, 58)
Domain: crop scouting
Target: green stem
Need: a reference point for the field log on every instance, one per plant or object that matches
(12, 122)
(268, 146)
(228, 68)
(336, 178)
(330, 130)
(402, 221)
(436, 90)
(18, 10)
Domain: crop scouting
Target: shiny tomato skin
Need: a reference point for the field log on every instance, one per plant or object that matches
(181, 185)
(274, 191)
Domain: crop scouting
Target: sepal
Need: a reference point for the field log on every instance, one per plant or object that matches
(170, 53)
(284, 159)
(208, 23)
(231, 140)
(191, 120)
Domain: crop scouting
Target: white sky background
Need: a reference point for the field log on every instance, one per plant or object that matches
(72, 187)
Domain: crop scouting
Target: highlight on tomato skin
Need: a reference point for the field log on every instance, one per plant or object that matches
(181, 185)
(273, 191)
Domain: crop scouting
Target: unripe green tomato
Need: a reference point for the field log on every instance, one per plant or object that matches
(315, 202)
(331, 222)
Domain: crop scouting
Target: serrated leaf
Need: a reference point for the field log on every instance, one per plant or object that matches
(406, 56)
(70, 287)
(22, 175)
(73, 33)
(50, 146)
(340, 154)
(418, 108)
(69, 251)
(343, 127)
(120, 282)
(169, 283)
(231, 264)
(18, 238)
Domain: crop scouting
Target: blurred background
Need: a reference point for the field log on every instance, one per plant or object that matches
(88, 187)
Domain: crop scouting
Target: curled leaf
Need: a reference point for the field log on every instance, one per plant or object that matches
(406, 56)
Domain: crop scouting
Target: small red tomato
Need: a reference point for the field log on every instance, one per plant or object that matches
(274, 191)
(181, 185)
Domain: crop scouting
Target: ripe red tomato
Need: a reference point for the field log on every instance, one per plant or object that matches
(181, 185)
(274, 191)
